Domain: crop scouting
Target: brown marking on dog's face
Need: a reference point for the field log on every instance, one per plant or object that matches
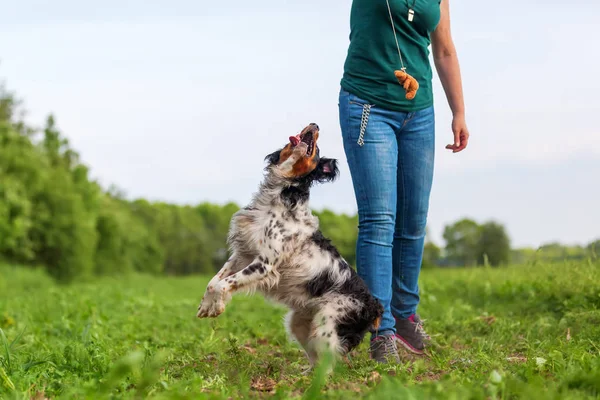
(307, 161)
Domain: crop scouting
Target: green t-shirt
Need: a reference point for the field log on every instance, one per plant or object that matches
(373, 56)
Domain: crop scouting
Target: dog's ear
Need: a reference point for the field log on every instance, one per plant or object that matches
(273, 158)
(327, 170)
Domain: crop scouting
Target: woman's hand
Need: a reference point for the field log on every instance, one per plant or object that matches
(461, 134)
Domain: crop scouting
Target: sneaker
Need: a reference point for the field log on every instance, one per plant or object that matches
(410, 334)
(383, 349)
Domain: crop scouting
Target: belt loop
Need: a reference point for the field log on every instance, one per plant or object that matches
(364, 119)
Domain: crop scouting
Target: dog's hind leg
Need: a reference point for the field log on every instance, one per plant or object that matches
(299, 327)
(324, 337)
(248, 278)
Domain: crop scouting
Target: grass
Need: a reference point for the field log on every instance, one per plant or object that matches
(530, 332)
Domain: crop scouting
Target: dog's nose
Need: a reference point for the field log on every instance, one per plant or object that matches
(314, 126)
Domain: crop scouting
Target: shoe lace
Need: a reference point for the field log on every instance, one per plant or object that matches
(419, 328)
(388, 344)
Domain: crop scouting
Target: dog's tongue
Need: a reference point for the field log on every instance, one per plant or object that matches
(294, 140)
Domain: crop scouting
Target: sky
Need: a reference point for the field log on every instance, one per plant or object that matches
(180, 101)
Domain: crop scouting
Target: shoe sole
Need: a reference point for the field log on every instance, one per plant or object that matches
(407, 346)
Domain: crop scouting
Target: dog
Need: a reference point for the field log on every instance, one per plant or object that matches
(277, 248)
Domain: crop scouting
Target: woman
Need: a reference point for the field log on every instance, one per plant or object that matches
(389, 145)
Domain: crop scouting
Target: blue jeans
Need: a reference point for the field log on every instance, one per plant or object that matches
(392, 174)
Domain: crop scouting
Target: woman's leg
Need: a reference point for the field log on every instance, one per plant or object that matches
(373, 167)
(416, 150)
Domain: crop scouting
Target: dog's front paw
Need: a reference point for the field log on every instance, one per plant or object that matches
(213, 303)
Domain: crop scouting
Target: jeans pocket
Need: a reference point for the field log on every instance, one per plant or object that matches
(357, 112)
(356, 100)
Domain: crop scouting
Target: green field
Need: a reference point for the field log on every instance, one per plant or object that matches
(520, 332)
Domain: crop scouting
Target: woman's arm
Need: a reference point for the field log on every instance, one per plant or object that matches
(446, 64)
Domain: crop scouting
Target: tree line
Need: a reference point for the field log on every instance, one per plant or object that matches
(54, 215)
(469, 243)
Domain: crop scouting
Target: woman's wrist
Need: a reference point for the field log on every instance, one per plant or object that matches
(458, 114)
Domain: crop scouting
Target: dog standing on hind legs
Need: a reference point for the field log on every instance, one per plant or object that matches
(277, 249)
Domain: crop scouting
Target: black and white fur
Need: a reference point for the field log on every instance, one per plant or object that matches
(278, 249)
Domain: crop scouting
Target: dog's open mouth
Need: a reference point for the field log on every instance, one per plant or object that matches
(309, 137)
